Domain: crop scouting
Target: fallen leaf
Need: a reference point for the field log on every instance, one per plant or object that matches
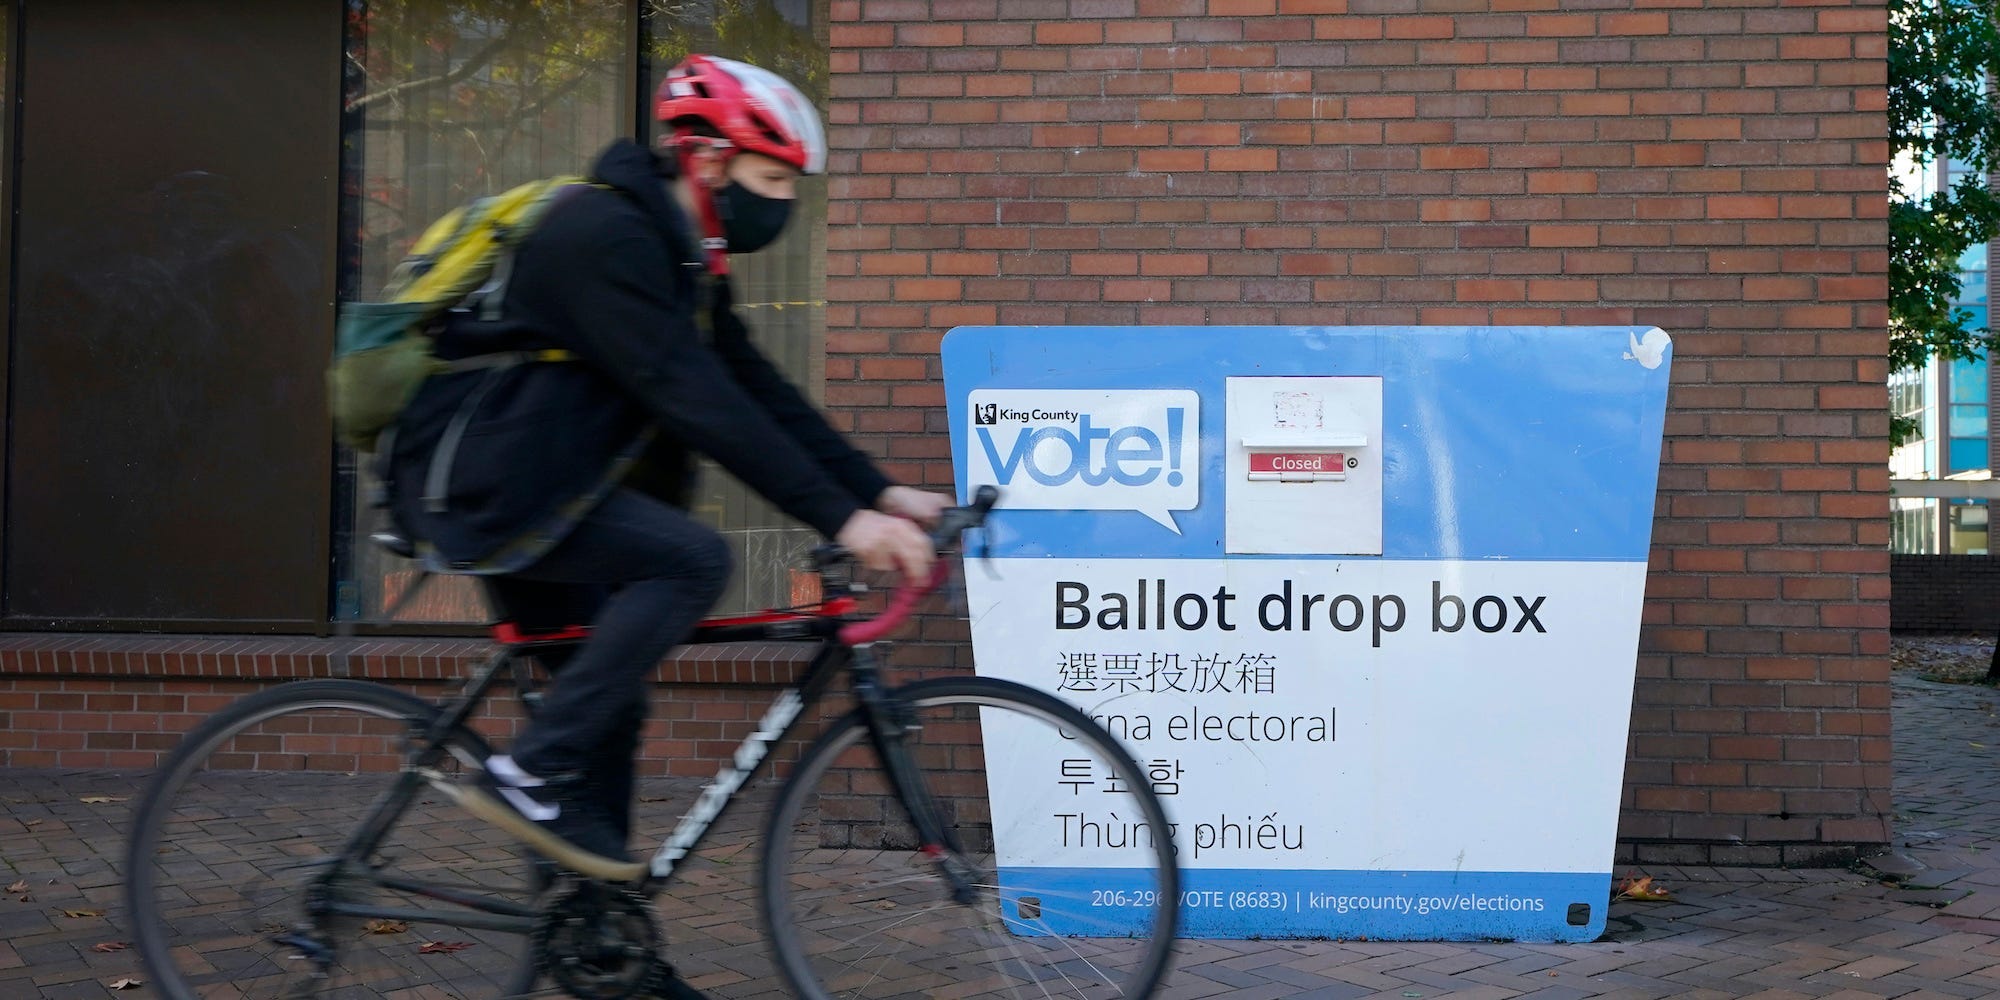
(98, 800)
(385, 927)
(1641, 889)
(443, 947)
(1946, 659)
(32, 822)
(109, 946)
(21, 886)
(127, 983)
(79, 914)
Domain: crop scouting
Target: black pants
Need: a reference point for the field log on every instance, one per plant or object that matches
(642, 573)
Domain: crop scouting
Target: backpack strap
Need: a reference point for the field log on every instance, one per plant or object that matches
(438, 478)
(486, 298)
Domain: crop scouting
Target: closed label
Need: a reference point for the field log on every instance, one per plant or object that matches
(1294, 461)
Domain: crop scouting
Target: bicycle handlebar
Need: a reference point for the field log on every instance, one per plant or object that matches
(952, 523)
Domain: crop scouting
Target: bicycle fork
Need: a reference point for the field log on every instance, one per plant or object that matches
(889, 719)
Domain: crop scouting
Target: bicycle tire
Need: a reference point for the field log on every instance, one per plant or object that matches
(239, 822)
(867, 917)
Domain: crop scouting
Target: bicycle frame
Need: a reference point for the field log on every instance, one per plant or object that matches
(776, 723)
(823, 622)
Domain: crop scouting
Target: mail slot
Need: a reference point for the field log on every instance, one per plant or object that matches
(1297, 466)
(1307, 450)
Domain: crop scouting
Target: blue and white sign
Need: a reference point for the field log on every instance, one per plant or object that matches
(1363, 602)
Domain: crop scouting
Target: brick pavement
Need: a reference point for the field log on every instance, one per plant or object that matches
(1922, 922)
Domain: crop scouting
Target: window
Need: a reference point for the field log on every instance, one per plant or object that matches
(1906, 393)
(1965, 418)
(1967, 527)
(1968, 381)
(780, 290)
(1913, 526)
(172, 247)
(1976, 317)
(1968, 421)
(1964, 454)
(447, 100)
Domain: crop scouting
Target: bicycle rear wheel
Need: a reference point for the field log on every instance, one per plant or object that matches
(857, 908)
(240, 882)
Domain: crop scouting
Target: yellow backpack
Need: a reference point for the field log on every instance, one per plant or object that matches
(383, 349)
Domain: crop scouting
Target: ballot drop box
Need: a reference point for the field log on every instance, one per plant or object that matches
(1362, 602)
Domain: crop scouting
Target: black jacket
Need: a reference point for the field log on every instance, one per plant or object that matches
(614, 277)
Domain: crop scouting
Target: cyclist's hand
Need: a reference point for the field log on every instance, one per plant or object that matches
(887, 543)
(921, 506)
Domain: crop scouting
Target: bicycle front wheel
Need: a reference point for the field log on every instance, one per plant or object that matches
(1056, 878)
(244, 877)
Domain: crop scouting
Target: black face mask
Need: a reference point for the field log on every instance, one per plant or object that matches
(750, 221)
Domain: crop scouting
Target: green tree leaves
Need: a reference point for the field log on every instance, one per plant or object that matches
(1942, 56)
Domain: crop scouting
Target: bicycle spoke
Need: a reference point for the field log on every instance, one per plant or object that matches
(1046, 931)
(863, 959)
(1014, 950)
(237, 884)
(859, 924)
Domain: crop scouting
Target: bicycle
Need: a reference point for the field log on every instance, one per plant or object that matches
(893, 863)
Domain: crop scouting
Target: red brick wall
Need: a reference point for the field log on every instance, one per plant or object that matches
(1715, 172)
(123, 702)
(1718, 173)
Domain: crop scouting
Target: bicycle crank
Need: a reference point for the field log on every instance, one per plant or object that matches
(597, 942)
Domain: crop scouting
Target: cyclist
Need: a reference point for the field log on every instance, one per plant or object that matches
(567, 481)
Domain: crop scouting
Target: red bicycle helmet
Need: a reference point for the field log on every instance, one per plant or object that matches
(755, 110)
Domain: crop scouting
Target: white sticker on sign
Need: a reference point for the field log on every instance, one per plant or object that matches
(1089, 449)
